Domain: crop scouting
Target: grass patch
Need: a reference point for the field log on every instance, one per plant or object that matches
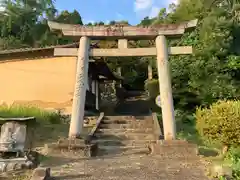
(18, 111)
(49, 126)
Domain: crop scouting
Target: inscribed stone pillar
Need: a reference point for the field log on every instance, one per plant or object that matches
(81, 83)
(169, 125)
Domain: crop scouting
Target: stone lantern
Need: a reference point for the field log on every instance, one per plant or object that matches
(15, 143)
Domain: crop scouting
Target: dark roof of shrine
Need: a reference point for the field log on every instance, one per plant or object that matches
(21, 50)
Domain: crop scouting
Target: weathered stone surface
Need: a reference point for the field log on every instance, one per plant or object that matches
(80, 146)
(120, 31)
(41, 174)
(176, 148)
(131, 167)
(13, 136)
(15, 164)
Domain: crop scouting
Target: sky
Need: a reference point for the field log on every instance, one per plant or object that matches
(106, 10)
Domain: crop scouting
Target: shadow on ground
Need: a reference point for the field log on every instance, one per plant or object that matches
(64, 177)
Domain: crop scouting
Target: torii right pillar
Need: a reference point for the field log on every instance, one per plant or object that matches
(165, 88)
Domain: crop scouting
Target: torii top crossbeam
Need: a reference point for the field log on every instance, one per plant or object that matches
(121, 31)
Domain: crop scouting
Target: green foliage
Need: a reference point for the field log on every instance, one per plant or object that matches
(220, 122)
(233, 156)
(152, 86)
(210, 74)
(70, 18)
(19, 111)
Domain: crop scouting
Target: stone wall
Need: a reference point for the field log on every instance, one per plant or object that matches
(47, 82)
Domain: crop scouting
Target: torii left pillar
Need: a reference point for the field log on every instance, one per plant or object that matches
(79, 97)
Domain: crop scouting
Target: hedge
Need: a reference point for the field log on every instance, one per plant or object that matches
(220, 122)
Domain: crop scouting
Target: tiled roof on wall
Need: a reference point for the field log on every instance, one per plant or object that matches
(10, 51)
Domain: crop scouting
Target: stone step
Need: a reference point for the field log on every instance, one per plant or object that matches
(128, 130)
(116, 121)
(126, 120)
(125, 126)
(115, 142)
(127, 117)
(114, 147)
(125, 136)
(174, 148)
(129, 150)
(115, 126)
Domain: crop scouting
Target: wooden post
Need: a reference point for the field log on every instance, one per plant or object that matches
(94, 86)
(150, 76)
(169, 125)
(97, 94)
(80, 89)
(119, 72)
(122, 44)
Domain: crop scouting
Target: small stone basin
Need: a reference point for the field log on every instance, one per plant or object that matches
(14, 164)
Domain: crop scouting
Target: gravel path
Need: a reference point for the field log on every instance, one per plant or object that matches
(130, 167)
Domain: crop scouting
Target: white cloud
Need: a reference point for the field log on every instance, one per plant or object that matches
(154, 11)
(107, 22)
(173, 1)
(151, 8)
(140, 5)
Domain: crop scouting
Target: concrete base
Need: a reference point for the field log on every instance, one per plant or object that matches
(30, 161)
(174, 148)
(82, 147)
(41, 174)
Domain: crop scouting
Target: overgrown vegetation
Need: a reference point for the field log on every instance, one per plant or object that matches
(18, 111)
(220, 122)
(152, 86)
(233, 157)
(219, 125)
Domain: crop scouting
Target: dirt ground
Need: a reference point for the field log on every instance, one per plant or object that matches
(125, 167)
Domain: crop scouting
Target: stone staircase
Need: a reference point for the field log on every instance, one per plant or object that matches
(125, 135)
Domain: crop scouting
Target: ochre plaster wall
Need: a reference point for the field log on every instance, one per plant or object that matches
(47, 82)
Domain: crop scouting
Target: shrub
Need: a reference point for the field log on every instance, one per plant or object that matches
(16, 110)
(152, 86)
(233, 157)
(220, 122)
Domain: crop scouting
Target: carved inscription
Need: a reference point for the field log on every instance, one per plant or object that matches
(79, 78)
(115, 31)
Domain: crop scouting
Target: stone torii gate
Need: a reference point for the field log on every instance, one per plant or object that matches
(123, 34)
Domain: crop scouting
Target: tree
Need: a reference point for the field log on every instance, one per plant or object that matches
(69, 18)
(20, 21)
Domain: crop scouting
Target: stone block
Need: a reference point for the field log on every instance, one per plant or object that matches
(174, 148)
(41, 174)
(80, 146)
(15, 164)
